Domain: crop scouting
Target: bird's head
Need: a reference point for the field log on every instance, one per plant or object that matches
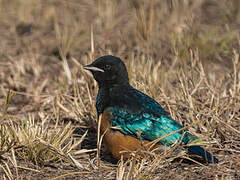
(108, 71)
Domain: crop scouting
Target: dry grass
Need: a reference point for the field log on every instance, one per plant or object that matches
(183, 54)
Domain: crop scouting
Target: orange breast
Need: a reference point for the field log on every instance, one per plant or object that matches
(117, 143)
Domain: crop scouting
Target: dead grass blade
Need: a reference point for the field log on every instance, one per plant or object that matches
(70, 174)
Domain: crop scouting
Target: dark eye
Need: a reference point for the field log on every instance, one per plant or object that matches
(107, 67)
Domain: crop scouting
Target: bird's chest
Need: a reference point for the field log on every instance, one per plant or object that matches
(99, 104)
(102, 100)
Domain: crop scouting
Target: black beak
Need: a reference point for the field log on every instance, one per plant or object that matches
(90, 67)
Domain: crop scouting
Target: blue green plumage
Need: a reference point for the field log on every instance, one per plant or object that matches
(149, 126)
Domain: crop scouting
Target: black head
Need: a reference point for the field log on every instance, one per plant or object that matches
(109, 71)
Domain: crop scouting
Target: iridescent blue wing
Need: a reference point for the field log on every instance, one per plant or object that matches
(148, 126)
(151, 127)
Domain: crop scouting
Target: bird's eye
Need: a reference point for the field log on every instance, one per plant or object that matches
(107, 67)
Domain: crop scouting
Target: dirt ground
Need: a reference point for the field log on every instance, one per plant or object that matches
(184, 54)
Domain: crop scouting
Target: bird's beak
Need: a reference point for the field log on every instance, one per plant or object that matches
(92, 68)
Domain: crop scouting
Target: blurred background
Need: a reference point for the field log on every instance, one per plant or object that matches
(183, 53)
(164, 31)
(36, 32)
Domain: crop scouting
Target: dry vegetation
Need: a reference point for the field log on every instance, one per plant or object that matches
(185, 54)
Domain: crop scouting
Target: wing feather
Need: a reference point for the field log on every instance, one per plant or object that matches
(149, 126)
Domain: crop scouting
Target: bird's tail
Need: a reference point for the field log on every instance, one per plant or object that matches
(207, 156)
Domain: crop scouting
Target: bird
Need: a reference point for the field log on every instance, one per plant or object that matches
(131, 120)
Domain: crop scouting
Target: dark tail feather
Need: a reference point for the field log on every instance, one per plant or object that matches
(207, 156)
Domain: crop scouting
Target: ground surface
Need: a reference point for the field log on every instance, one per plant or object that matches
(183, 54)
